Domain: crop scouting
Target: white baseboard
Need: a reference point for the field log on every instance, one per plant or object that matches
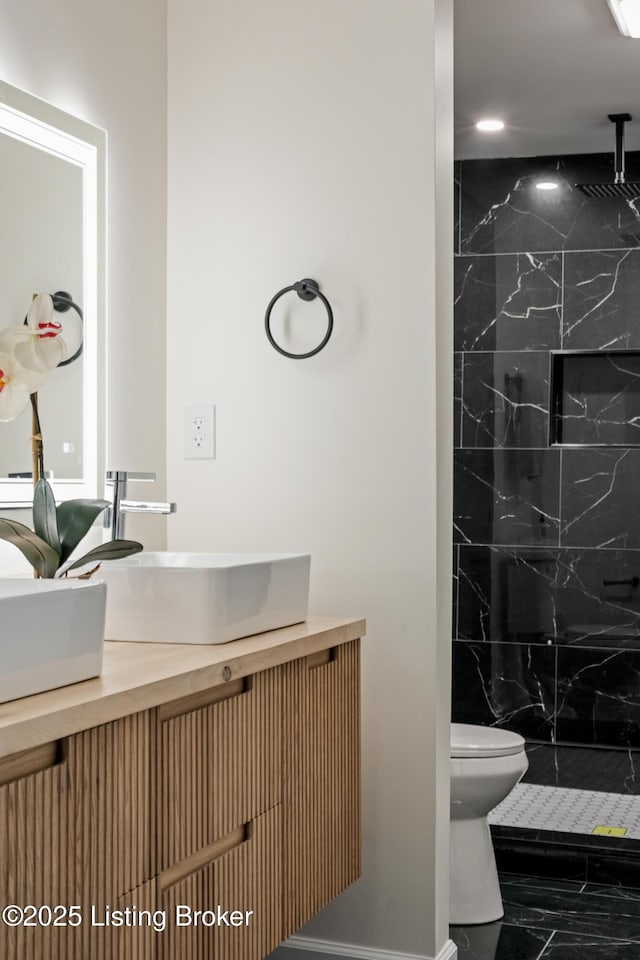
(331, 948)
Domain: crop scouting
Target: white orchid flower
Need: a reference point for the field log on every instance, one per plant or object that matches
(16, 384)
(37, 345)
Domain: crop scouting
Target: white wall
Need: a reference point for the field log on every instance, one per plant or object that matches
(106, 63)
(304, 141)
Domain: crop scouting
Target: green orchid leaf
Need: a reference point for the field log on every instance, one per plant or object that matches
(45, 522)
(40, 555)
(112, 550)
(75, 518)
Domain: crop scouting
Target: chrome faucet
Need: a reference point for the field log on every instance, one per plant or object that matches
(114, 515)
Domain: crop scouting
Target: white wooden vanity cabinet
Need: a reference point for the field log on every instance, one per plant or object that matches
(185, 779)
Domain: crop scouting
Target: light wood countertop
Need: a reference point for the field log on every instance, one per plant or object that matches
(139, 676)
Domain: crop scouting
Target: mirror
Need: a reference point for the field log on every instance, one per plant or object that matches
(53, 211)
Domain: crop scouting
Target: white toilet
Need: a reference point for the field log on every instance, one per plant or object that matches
(486, 764)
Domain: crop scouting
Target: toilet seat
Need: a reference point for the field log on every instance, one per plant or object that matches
(470, 740)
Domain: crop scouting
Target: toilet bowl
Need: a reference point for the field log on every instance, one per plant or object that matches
(486, 763)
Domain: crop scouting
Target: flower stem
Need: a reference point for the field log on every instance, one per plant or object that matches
(37, 448)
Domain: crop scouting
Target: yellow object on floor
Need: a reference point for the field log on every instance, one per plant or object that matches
(606, 831)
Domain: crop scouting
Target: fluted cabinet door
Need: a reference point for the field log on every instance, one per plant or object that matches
(230, 907)
(219, 762)
(74, 830)
(321, 795)
(138, 930)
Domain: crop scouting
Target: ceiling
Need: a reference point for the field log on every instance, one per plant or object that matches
(551, 69)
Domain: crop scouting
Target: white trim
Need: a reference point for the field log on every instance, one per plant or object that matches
(330, 947)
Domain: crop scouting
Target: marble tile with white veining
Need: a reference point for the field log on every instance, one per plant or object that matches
(622, 894)
(587, 598)
(504, 212)
(598, 399)
(505, 684)
(600, 496)
(597, 598)
(507, 595)
(505, 400)
(567, 946)
(506, 496)
(601, 304)
(507, 302)
(498, 941)
(457, 399)
(598, 698)
(565, 911)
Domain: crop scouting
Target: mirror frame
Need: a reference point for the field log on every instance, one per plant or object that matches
(46, 127)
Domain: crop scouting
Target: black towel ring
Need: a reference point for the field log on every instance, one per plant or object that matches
(61, 303)
(306, 290)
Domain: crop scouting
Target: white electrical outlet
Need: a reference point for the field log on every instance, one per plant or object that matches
(199, 432)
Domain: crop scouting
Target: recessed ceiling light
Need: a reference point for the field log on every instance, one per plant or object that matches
(626, 13)
(546, 185)
(489, 126)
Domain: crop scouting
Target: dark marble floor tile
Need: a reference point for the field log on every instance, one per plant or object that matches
(597, 488)
(508, 302)
(503, 212)
(567, 911)
(504, 684)
(554, 920)
(505, 400)
(563, 946)
(624, 894)
(506, 496)
(601, 300)
(498, 941)
(584, 768)
(569, 886)
(598, 697)
(597, 399)
(457, 399)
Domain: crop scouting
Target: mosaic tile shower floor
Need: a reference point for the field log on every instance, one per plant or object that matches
(534, 807)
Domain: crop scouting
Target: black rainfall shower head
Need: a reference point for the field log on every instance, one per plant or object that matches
(621, 191)
(620, 188)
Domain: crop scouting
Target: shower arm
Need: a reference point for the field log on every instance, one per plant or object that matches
(619, 119)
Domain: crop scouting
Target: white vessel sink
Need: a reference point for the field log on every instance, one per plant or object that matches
(51, 633)
(203, 597)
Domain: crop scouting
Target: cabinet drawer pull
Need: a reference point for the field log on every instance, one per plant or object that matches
(321, 657)
(34, 760)
(205, 698)
(205, 856)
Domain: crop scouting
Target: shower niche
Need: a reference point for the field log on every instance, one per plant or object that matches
(595, 398)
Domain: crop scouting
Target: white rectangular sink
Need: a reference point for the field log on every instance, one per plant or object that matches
(169, 597)
(52, 634)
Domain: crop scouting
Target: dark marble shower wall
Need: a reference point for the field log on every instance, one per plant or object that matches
(547, 539)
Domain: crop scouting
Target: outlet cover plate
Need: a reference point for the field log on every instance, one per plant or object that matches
(199, 431)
